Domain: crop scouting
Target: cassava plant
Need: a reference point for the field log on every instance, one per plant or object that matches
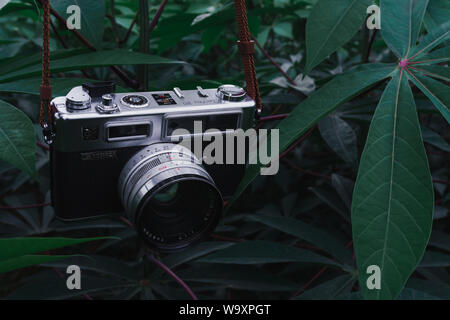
(311, 63)
(393, 199)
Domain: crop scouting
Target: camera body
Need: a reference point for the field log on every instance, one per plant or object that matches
(99, 134)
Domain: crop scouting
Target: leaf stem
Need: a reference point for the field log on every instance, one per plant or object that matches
(158, 262)
(31, 206)
(120, 73)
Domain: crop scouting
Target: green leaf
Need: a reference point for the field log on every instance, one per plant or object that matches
(21, 61)
(438, 72)
(436, 91)
(340, 137)
(238, 277)
(344, 187)
(430, 41)
(89, 60)
(211, 36)
(437, 56)
(433, 138)
(284, 29)
(330, 25)
(393, 199)
(306, 232)
(26, 261)
(401, 22)
(17, 139)
(257, 252)
(16, 247)
(92, 17)
(60, 87)
(339, 90)
(332, 200)
(330, 290)
(437, 13)
(48, 286)
(194, 252)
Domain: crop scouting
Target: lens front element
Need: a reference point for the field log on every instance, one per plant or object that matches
(169, 197)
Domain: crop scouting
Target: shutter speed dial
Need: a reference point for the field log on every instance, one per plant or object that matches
(231, 93)
(135, 101)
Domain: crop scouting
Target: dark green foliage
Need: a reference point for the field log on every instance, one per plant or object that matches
(372, 179)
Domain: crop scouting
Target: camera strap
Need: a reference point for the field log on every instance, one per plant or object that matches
(245, 44)
(45, 115)
(247, 49)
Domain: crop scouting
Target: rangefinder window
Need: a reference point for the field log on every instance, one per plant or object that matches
(128, 132)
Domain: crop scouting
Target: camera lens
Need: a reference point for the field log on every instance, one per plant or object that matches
(169, 197)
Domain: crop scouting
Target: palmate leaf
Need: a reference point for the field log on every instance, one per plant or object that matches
(16, 247)
(393, 200)
(437, 13)
(429, 42)
(26, 261)
(60, 86)
(19, 252)
(17, 139)
(438, 72)
(401, 22)
(239, 277)
(315, 236)
(340, 137)
(437, 56)
(436, 91)
(257, 252)
(21, 61)
(330, 290)
(48, 286)
(330, 25)
(336, 92)
(89, 60)
(435, 139)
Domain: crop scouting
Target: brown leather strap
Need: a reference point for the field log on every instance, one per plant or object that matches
(247, 49)
(245, 44)
(46, 89)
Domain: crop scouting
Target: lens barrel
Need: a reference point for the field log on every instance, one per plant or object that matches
(169, 197)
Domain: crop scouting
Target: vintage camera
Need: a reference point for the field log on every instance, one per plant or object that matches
(115, 152)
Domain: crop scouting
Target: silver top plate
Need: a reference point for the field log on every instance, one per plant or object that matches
(192, 102)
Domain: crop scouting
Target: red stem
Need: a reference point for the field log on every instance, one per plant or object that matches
(442, 182)
(173, 275)
(266, 54)
(311, 173)
(274, 117)
(32, 206)
(131, 82)
(296, 143)
(158, 14)
(317, 275)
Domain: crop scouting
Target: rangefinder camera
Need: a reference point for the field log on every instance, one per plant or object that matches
(118, 153)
